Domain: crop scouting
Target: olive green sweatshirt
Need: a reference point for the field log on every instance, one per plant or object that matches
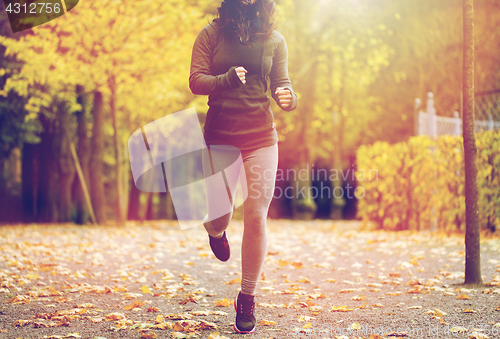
(239, 114)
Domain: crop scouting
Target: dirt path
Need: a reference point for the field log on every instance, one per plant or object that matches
(321, 279)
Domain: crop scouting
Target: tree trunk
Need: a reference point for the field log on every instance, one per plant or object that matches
(96, 160)
(472, 235)
(120, 217)
(29, 181)
(133, 202)
(2, 178)
(338, 202)
(303, 203)
(48, 184)
(67, 168)
(83, 151)
(162, 209)
(151, 207)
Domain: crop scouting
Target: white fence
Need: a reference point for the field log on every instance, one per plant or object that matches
(428, 123)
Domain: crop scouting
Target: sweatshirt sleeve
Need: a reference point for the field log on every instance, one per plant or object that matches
(201, 81)
(279, 74)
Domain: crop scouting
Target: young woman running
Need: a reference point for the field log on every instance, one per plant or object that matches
(233, 59)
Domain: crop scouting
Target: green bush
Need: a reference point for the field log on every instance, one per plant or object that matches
(420, 182)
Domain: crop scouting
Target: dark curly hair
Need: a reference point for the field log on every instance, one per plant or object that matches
(240, 18)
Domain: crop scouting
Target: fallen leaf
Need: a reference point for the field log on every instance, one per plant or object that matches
(223, 302)
(234, 281)
(439, 313)
(354, 326)
(359, 297)
(340, 309)
(145, 289)
(114, 316)
(134, 304)
(216, 335)
(463, 296)
(164, 326)
(458, 329)
(394, 293)
(267, 323)
(21, 323)
(476, 335)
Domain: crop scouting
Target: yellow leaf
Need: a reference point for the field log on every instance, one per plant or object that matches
(393, 293)
(267, 323)
(164, 326)
(145, 289)
(340, 309)
(120, 289)
(298, 264)
(134, 304)
(216, 335)
(302, 318)
(178, 327)
(354, 326)
(359, 297)
(234, 281)
(115, 316)
(283, 262)
(159, 319)
(223, 302)
(148, 335)
(308, 325)
(439, 313)
(463, 296)
(21, 323)
(458, 329)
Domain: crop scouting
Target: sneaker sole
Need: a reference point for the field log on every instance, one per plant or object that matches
(223, 260)
(234, 325)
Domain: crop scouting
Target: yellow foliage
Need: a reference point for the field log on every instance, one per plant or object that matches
(421, 182)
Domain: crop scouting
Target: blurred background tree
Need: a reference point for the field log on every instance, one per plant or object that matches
(97, 74)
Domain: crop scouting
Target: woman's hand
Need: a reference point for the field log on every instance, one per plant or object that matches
(241, 71)
(284, 96)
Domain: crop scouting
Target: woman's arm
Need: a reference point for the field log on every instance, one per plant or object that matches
(279, 76)
(201, 81)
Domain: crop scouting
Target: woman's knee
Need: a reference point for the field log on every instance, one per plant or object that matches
(220, 224)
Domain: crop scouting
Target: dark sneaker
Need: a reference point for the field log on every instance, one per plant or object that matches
(220, 247)
(245, 319)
